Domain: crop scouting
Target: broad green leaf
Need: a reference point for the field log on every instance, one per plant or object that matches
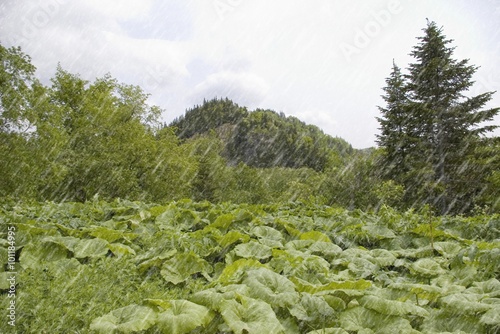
(232, 237)
(223, 221)
(382, 257)
(362, 267)
(270, 287)
(490, 288)
(34, 255)
(295, 263)
(180, 267)
(328, 331)
(447, 249)
(422, 291)
(91, 248)
(154, 260)
(336, 303)
(441, 321)
(315, 236)
(304, 286)
(182, 316)
(68, 242)
(211, 298)
(492, 317)
(128, 319)
(391, 307)
(120, 249)
(427, 268)
(235, 290)
(327, 249)
(110, 235)
(299, 245)
(266, 232)
(464, 303)
(313, 309)
(250, 316)
(268, 236)
(361, 319)
(378, 231)
(234, 272)
(253, 249)
(200, 243)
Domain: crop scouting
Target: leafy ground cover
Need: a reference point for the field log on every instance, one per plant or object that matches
(187, 267)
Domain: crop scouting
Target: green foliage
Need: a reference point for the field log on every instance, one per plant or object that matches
(194, 267)
(180, 316)
(247, 315)
(262, 138)
(77, 140)
(432, 133)
(129, 319)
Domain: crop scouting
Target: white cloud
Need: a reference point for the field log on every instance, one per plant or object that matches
(120, 9)
(245, 88)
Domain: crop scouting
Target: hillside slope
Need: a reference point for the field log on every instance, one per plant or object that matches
(261, 138)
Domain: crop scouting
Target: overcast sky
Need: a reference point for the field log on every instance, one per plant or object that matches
(323, 61)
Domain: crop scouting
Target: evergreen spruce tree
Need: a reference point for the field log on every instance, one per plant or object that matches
(442, 126)
(394, 135)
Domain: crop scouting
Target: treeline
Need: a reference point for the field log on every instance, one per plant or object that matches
(73, 140)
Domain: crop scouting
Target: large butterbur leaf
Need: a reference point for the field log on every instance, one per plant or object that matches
(313, 309)
(327, 249)
(361, 267)
(224, 221)
(120, 250)
(254, 250)
(34, 255)
(467, 304)
(444, 321)
(328, 331)
(270, 287)
(266, 232)
(153, 258)
(490, 288)
(268, 236)
(180, 267)
(392, 307)
(180, 316)
(362, 320)
(304, 286)
(427, 268)
(315, 236)
(383, 257)
(91, 248)
(232, 237)
(378, 231)
(212, 298)
(492, 317)
(128, 319)
(250, 316)
(234, 272)
(447, 249)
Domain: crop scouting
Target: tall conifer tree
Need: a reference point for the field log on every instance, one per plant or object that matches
(442, 124)
(394, 128)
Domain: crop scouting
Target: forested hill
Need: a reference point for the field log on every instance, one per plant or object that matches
(261, 138)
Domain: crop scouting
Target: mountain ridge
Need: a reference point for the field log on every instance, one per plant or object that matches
(261, 138)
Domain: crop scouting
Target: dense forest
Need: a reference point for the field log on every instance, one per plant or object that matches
(74, 140)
